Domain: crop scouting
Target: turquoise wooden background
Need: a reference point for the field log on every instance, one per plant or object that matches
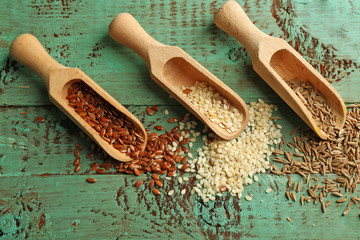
(41, 197)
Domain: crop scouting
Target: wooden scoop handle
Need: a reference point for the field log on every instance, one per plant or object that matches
(27, 50)
(127, 31)
(232, 19)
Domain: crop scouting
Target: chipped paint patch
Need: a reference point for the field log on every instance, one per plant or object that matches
(7, 73)
(20, 212)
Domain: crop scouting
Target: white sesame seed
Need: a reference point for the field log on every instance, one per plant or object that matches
(180, 180)
(248, 198)
(171, 192)
(234, 163)
(166, 112)
(269, 190)
(183, 191)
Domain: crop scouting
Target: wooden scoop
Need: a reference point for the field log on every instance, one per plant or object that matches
(276, 61)
(27, 50)
(172, 68)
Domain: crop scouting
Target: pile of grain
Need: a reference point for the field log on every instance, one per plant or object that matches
(339, 155)
(229, 165)
(316, 103)
(214, 106)
(166, 153)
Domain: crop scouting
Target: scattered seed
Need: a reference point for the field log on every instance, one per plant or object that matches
(171, 192)
(172, 120)
(159, 128)
(90, 180)
(78, 146)
(155, 108)
(100, 171)
(337, 194)
(76, 161)
(76, 153)
(294, 131)
(248, 198)
(77, 168)
(183, 191)
(40, 119)
(311, 193)
(323, 208)
(287, 194)
(184, 167)
(289, 219)
(289, 181)
(341, 200)
(346, 211)
(156, 191)
(151, 183)
(138, 183)
(328, 203)
(149, 111)
(269, 190)
(223, 189)
(159, 183)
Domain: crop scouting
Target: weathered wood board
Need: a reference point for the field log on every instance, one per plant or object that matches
(40, 195)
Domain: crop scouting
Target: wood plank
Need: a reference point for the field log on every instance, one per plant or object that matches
(111, 208)
(60, 27)
(39, 156)
(41, 197)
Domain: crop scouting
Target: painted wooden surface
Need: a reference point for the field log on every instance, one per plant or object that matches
(41, 197)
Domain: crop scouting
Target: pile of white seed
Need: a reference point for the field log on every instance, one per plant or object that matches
(214, 106)
(229, 165)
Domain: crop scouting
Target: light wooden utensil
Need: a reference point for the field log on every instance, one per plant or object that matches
(276, 61)
(172, 68)
(27, 50)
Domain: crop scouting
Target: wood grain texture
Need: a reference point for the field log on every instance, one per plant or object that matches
(38, 182)
(42, 198)
(60, 26)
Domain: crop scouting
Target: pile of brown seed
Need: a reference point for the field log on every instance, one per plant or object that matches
(162, 154)
(110, 123)
(315, 103)
(340, 155)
